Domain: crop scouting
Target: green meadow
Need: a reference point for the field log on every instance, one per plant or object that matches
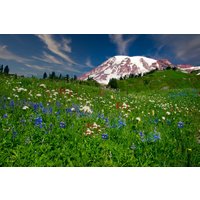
(152, 120)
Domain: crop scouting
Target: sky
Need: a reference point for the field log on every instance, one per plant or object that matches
(76, 54)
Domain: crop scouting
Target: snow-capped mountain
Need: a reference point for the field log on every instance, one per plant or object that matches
(120, 66)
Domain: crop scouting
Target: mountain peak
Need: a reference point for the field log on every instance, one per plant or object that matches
(121, 65)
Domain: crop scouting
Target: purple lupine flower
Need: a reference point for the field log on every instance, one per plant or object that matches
(58, 112)
(121, 123)
(35, 106)
(12, 103)
(156, 121)
(38, 121)
(14, 134)
(5, 115)
(156, 137)
(104, 136)
(62, 125)
(180, 124)
(142, 136)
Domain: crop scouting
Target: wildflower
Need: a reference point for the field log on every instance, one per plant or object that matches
(121, 123)
(12, 103)
(58, 112)
(124, 105)
(163, 118)
(15, 95)
(117, 105)
(88, 132)
(168, 113)
(141, 134)
(156, 121)
(38, 95)
(43, 85)
(14, 134)
(38, 121)
(180, 124)
(25, 107)
(5, 115)
(133, 146)
(126, 115)
(62, 125)
(86, 109)
(104, 136)
(95, 125)
(21, 89)
(138, 119)
(156, 137)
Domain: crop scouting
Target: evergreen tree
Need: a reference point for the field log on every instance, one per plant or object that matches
(113, 83)
(67, 77)
(75, 77)
(1, 69)
(6, 70)
(44, 75)
(52, 75)
(60, 77)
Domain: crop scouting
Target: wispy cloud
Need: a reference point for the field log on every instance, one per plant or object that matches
(5, 54)
(185, 48)
(122, 44)
(38, 67)
(60, 49)
(48, 59)
(50, 68)
(88, 63)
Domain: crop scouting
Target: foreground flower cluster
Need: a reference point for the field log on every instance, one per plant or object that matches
(70, 124)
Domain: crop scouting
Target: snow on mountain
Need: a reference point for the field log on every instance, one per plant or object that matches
(120, 66)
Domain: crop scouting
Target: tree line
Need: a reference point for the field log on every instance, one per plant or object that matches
(61, 77)
(4, 70)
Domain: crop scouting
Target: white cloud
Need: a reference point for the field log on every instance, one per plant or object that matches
(5, 54)
(122, 44)
(38, 67)
(186, 48)
(48, 58)
(50, 68)
(60, 49)
(88, 63)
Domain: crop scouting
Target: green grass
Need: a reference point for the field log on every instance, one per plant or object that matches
(160, 80)
(144, 133)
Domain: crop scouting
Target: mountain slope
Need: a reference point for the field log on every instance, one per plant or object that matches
(120, 66)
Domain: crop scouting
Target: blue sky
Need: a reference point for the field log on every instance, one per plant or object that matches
(79, 53)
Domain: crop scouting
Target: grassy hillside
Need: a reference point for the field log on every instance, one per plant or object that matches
(160, 80)
(55, 123)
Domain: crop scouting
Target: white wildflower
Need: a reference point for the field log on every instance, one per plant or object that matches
(43, 85)
(25, 107)
(38, 95)
(138, 119)
(126, 115)
(86, 109)
(88, 132)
